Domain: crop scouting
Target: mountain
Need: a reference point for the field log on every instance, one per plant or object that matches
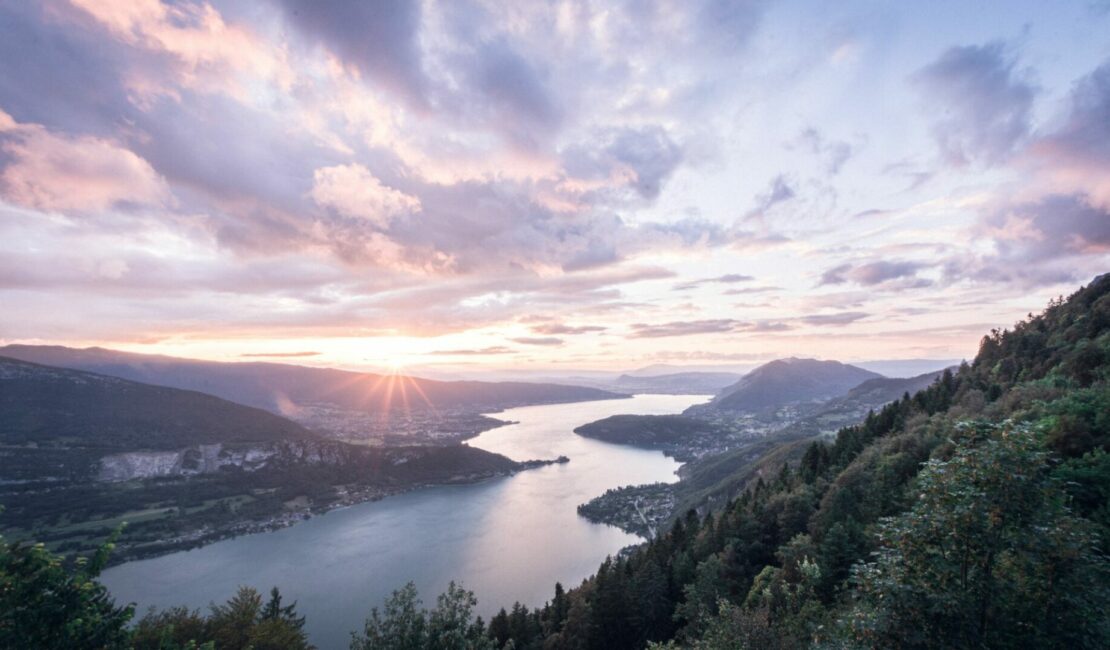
(80, 452)
(656, 369)
(788, 381)
(879, 391)
(953, 517)
(283, 388)
(688, 383)
(44, 406)
(906, 368)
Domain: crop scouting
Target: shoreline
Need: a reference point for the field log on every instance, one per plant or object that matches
(204, 537)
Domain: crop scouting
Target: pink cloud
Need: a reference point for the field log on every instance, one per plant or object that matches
(50, 171)
(210, 53)
(353, 191)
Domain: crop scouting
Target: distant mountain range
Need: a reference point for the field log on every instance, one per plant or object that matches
(44, 406)
(906, 368)
(692, 383)
(282, 388)
(787, 381)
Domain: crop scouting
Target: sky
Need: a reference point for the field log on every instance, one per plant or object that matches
(469, 184)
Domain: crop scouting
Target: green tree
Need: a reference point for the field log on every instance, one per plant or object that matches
(275, 611)
(405, 625)
(229, 625)
(989, 556)
(45, 604)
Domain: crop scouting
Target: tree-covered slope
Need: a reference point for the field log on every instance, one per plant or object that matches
(57, 407)
(972, 513)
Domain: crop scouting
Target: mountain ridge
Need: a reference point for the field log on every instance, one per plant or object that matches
(787, 381)
(281, 388)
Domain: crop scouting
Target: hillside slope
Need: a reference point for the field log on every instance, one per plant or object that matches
(282, 388)
(47, 406)
(972, 513)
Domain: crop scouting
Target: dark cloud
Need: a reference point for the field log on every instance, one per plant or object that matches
(379, 38)
(1077, 153)
(273, 166)
(870, 274)
(1054, 240)
(984, 103)
(1086, 132)
(64, 78)
(685, 328)
(509, 90)
(648, 152)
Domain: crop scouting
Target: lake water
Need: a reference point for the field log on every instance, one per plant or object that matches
(507, 540)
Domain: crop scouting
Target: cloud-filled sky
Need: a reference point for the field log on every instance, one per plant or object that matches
(570, 184)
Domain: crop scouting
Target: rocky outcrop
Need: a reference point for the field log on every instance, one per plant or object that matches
(201, 459)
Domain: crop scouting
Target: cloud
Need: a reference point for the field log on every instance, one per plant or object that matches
(1055, 239)
(353, 191)
(378, 39)
(56, 172)
(833, 154)
(563, 329)
(495, 349)
(201, 49)
(651, 156)
(640, 158)
(280, 354)
(1076, 155)
(838, 319)
(750, 290)
(728, 325)
(510, 90)
(984, 101)
(778, 191)
(684, 328)
(731, 278)
(537, 340)
(870, 274)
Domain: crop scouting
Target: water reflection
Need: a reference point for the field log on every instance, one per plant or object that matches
(509, 539)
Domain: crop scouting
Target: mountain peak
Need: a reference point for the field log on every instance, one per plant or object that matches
(790, 380)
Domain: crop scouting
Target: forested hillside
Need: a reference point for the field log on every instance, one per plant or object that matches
(971, 514)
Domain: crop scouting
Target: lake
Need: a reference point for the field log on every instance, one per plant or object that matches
(508, 539)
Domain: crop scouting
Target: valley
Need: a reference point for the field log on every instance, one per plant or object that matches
(82, 453)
